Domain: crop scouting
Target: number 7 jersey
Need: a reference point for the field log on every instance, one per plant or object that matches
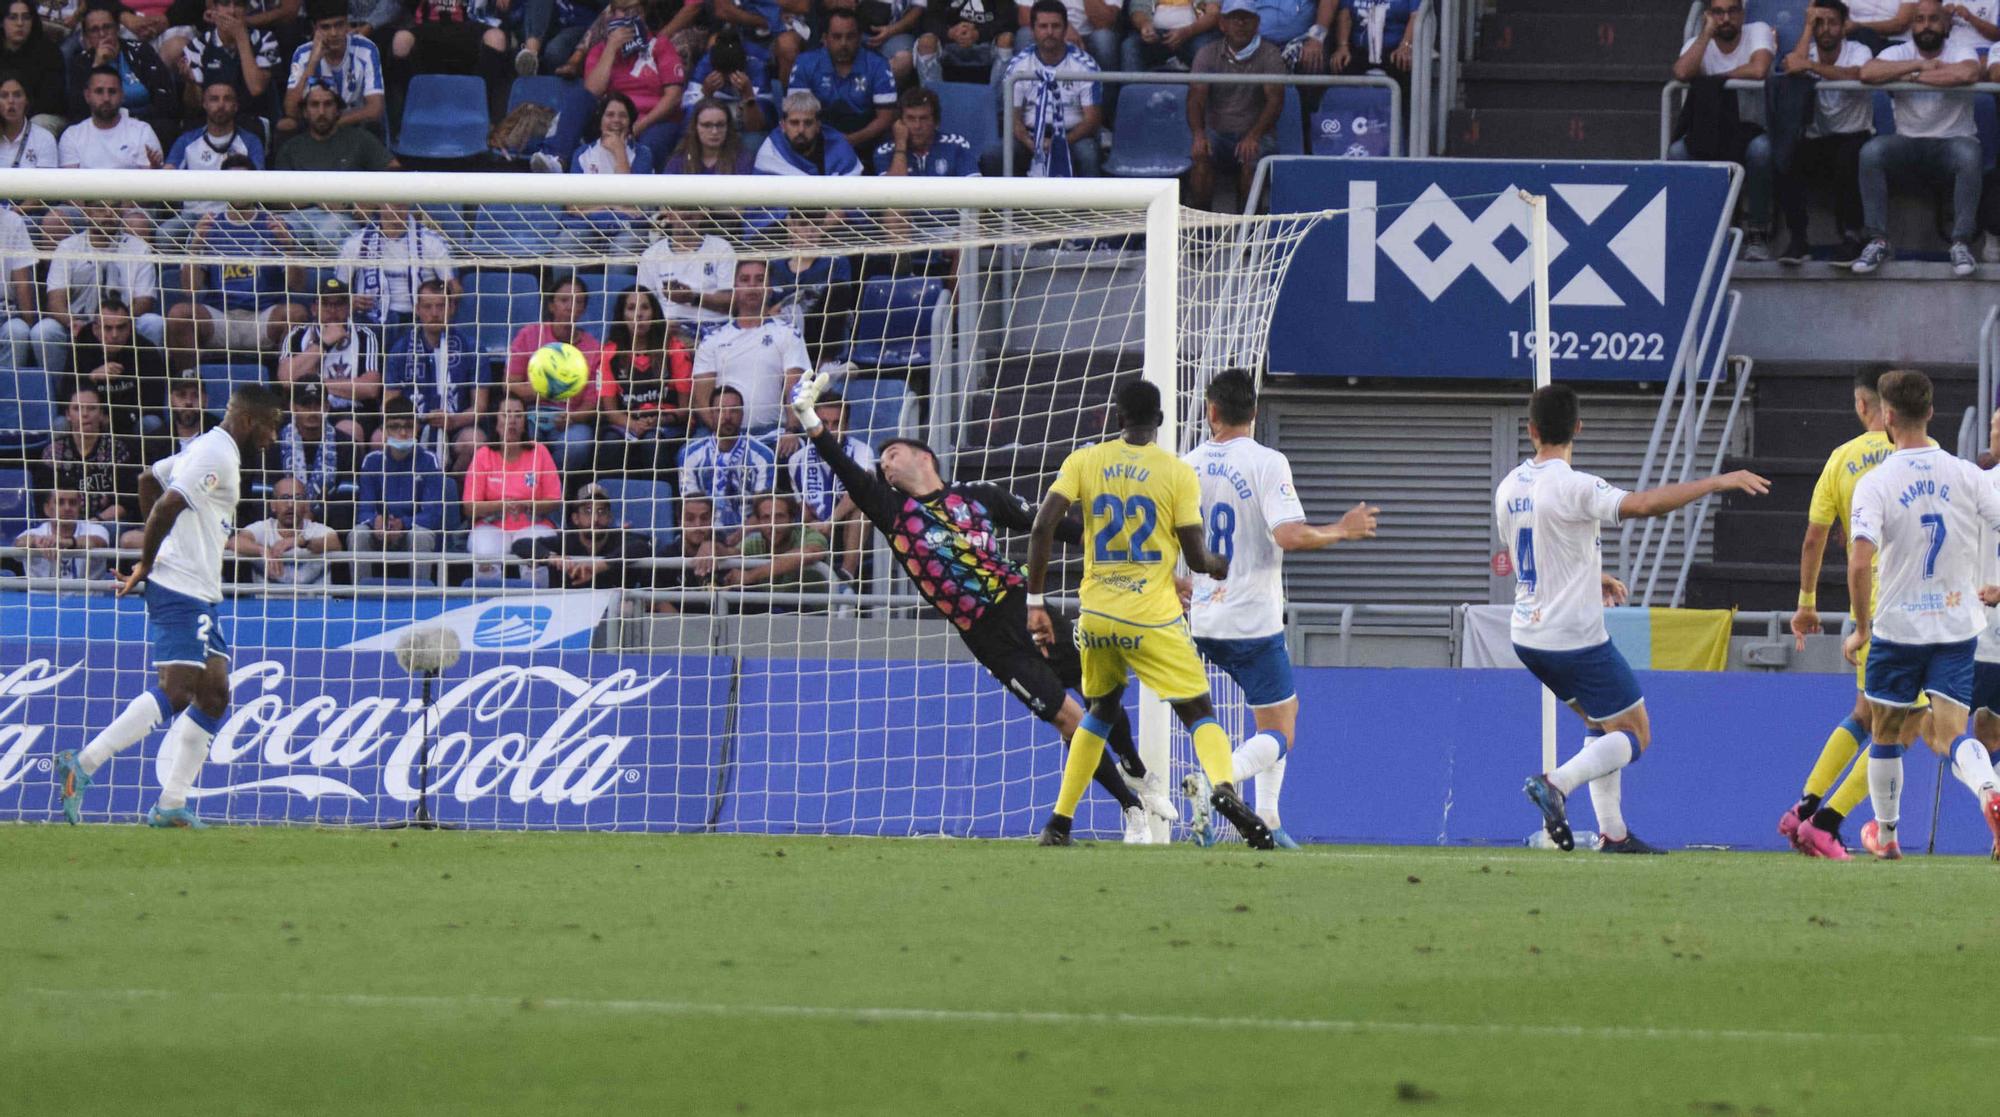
(1923, 510)
(1133, 498)
(1548, 517)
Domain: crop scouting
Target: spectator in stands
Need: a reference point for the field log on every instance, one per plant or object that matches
(61, 546)
(512, 492)
(610, 147)
(110, 138)
(570, 424)
(894, 37)
(1166, 33)
(60, 18)
(454, 37)
(1936, 140)
(1234, 126)
(94, 460)
(1381, 36)
(825, 502)
(1726, 48)
(783, 556)
(756, 354)
(964, 40)
(231, 51)
(387, 259)
(22, 142)
(339, 358)
(152, 22)
(712, 144)
(552, 30)
(238, 306)
(721, 475)
(186, 417)
(316, 454)
(854, 87)
(128, 373)
(595, 553)
(737, 82)
(685, 25)
(102, 258)
(812, 288)
(17, 290)
(915, 146)
(1055, 117)
(146, 92)
(1876, 23)
(337, 60)
(638, 61)
(773, 26)
(288, 546)
(1307, 31)
(1091, 26)
(218, 138)
(654, 369)
(327, 144)
(691, 271)
(438, 370)
(1829, 153)
(801, 146)
(32, 58)
(401, 502)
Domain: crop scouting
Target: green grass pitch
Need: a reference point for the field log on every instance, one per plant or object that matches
(265, 971)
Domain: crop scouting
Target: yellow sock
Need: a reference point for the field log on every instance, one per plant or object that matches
(1852, 790)
(1840, 748)
(1211, 746)
(1086, 748)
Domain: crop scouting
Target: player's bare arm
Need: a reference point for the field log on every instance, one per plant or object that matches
(1358, 523)
(1670, 498)
(1812, 554)
(1861, 595)
(166, 509)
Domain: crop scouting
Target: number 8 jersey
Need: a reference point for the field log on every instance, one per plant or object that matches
(1548, 516)
(1132, 498)
(1246, 492)
(1923, 510)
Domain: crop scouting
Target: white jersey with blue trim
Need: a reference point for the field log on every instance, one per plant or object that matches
(1549, 516)
(1925, 511)
(209, 476)
(1246, 493)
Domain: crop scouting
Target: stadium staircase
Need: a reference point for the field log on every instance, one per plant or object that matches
(1803, 410)
(1567, 79)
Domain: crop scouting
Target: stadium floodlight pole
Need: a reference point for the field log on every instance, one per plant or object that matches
(1538, 249)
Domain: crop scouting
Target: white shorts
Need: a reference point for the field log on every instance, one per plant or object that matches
(240, 331)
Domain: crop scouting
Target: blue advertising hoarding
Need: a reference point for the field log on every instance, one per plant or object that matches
(1427, 272)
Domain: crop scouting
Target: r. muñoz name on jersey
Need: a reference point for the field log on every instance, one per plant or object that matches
(1549, 516)
(1246, 493)
(1924, 511)
(208, 475)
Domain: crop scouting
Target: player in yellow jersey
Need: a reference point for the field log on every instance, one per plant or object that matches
(1813, 823)
(1141, 512)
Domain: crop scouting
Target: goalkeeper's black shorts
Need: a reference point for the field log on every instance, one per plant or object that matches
(999, 640)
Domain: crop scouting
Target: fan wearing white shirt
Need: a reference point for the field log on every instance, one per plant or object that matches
(109, 138)
(289, 546)
(61, 546)
(103, 257)
(193, 497)
(1726, 47)
(1920, 518)
(1936, 139)
(1548, 517)
(1252, 517)
(756, 354)
(17, 288)
(1877, 23)
(691, 271)
(1829, 154)
(21, 143)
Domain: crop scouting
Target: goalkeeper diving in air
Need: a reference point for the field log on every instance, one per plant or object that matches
(943, 537)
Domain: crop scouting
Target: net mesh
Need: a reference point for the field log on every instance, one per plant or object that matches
(650, 606)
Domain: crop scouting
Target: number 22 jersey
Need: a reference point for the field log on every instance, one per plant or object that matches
(1132, 498)
(1548, 517)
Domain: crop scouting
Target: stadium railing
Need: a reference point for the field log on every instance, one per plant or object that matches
(1972, 435)
(1671, 92)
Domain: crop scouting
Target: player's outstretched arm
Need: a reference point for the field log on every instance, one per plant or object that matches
(1200, 559)
(159, 522)
(1668, 498)
(1359, 523)
(1041, 542)
(1860, 595)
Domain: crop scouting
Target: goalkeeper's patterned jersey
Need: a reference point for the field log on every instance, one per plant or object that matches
(1133, 498)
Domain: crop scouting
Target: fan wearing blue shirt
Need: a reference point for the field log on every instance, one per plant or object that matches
(401, 502)
(438, 370)
(856, 90)
(738, 79)
(917, 149)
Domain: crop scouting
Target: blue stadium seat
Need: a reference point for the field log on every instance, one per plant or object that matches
(1151, 139)
(972, 110)
(529, 231)
(496, 304)
(449, 220)
(1786, 17)
(892, 324)
(646, 507)
(1291, 124)
(543, 89)
(17, 504)
(605, 286)
(444, 117)
(1988, 119)
(27, 412)
(1885, 114)
(219, 380)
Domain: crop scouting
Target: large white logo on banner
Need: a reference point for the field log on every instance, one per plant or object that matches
(17, 739)
(1434, 242)
(510, 623)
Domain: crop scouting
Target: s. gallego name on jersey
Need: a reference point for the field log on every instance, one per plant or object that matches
(1231, 474)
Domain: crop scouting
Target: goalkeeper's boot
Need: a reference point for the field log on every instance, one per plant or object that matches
(1884, 850)
(1630, 843)
(1815, 842)
(1283, 840)
(1056, 833)
(1201, 828)
(1788, 827)
(1138, 827)
(1232, 807)
(1555, 819)
(173, 818)
(1159, 802)
(72, 781)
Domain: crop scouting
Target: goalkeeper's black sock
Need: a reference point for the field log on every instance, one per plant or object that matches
(1107, 777)
(1829, 820)
(1121, 742)
(1807, 805)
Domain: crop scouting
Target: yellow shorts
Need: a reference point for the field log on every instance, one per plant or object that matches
(1861, 680)
(1162, 655)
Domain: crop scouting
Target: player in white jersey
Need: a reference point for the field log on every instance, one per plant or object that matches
(1549, 516)
(1925, 512)
(181, 562)
(1252, 516)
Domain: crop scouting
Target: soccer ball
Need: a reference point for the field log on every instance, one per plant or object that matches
(558, 371)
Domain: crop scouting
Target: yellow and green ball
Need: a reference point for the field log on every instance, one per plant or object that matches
(558, 371)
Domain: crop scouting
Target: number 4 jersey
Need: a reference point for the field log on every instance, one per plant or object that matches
(1548, 516)
(1133, 498)
(1923, 510)
(1246, 492)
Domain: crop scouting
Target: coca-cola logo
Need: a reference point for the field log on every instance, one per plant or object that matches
(17, 740)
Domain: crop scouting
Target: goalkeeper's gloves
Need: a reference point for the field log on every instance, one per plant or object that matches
(805, 398)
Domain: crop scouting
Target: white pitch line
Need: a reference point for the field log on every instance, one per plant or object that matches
(876, 1013)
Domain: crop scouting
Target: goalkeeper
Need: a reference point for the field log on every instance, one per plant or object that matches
(943, 536)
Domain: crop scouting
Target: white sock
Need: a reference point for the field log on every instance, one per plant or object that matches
(1885, 791)
(1973, 766)
(185, 749)
(1600, 756)
(141, 716)
(1256, 754)
(1269, 783)
(1605, 800)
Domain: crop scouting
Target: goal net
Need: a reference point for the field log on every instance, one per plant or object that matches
(648, 606)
